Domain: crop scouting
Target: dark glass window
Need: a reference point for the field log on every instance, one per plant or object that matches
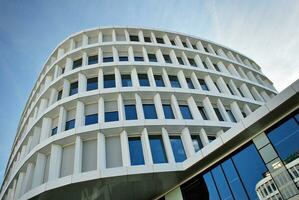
(73, 88)
(143, 80)
(211, 138)
(91, 119)
(157, 149)
(92, 60)
(203, 85)
(244, 114)
(203, 112)
(172, 42)
(174, 81)
(219, 116)
(126, 80)
(231, 115)
(70, 124)
(160, 40)
(134, 38)
(192, 62)
(62, 70)
(111, 116)
(177, 148)
(108, 59)
(210, 184)
(206, 49)
(184, 44)
(136, 153)
(168, 111)
(109, 81)
(186, 112)
(194, 47)
(59, 95)
(230, 90)
(152, 57)
(167, 58)
(205, 65)
(216, 67)
(77, 63)
(149, 111)
(159, 81)
(92, 83)
(180, 60)
(147, 39)
(130, 111)
(196, 142)
(190, 84)
(138, 58)
(54, 131)
(123, 58)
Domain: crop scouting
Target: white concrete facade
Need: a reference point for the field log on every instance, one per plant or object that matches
(45, 155)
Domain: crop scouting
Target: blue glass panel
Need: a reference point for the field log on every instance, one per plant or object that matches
(177, 148)
(54, 131)
(157, 149)
(221, 183)
(111, 116)
(143, 80)
(203, 85)
(109, 81)
(73, 88)
(213, 193)
(70, 124)
(108, 59)
(126, 80)
(174, 81)
(196, 142)
(91, 119)
(136, 153)
(92, 84)
(168, 111)
(159, 81)
(185, 112)
(149, 111)
(190, 84)
(92, 60)
(130, 111)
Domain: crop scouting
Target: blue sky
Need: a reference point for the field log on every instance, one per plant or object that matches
(30, 30)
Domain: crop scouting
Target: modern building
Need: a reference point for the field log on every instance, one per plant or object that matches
(135, 113)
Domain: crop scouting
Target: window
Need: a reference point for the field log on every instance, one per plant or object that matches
(180, 60)
(172, 42)
(159, 81)
(190, 84)
(174, 81)
(205, 65)
(203, 85)
(211, 138)
(194, 47)
(157, 149)
(177, 148)
(126, 80)
(92, 83)
(192, 62)
(152, 57)
(54, 131)
(138, 58)
(149, 111)
(109, 81)
(108, 59)
(196, 142)
(168, 111)
(231, 116)
(147, 39)
(219, 116)
(244, 114)
(136, 152)
(92, 60)
(206, 49)
(59, 95)
(143, 80)
(70, 124)
(130, 111)
(77, 63)
(134, 38)
(73, 88)
(123, 58)
(91, 119)
(62, 70)
(167, 58)
(186, 112)
(230, 90)
(184, 44)
(111, 116)
(216, 67)
(160, 40)
(203, 112)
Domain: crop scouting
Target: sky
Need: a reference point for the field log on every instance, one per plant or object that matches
(266, 31)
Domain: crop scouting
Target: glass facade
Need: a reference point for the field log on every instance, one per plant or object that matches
(143, 80)
(130, 111)
(203, 85)
(111, 116)
(157, 149)
(77, 63)
(92, 84)
(192, 62)
(92, 60)
(203, 112)
(168, 113)
(73, 88)
(136, 153)
(149, 111)
(196, 142)
(174, 81)
(189, 83)
(70, 124)
(152, 57)
(185, 112)
(167, 58)
(91, 119)
(159, 81)
(177, 148)
(108, 59)
(126, 80)
(109, 81)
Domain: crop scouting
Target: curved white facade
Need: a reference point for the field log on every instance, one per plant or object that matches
(92, 75)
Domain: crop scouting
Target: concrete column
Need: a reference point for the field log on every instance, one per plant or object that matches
(148, 160)
(61, 120)
(242, 73)
(153, 37)
(178, 41)
(239, 59)
(185, 59)
(53, 96)
(19, 185)
(193, 108)
(222, 110)
(117, 78)
(246, 91)
(134, 76)
(130, 54)
(210, 84)
(113, 36)
(120, 107)
(151, 78)
(236, 111)
(165, 78)
(43, 105)
(39, 170)
(55, 162)
(127, 36)
(78, 155)
(72, 44)
(100, 55)
(139, 108)
(140, 36)
(36, 136)
(166, 39)
(234, 87)
(209, 64)
(82, 83)
(101, 109)
(101, 152)
(187, 142)
(84, 59)
(188, 43)
(221, 53)
(256, 94)
(198, 61)
(199, 46)
(145, 56)
(100, 79)
(173, 57)
(66, 88)
(175, 107)
(125, 154)
(60, 53)
(222, 85)
(211, 50)
(159, 56)
(28, 178)
(247, 63)
(100, 37)
(209, 109)
(247, 109)
(252, 77)
(46, 128)
(84, 40)
(203, 137)
(158, 105)
(48, 80)
(220, 132)
(265, 96)
(233, 70)
(167, 146)
(182, 79)
(80, 115)
(222, 67)
(68, 64)
(231, 56)
(115, 54)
